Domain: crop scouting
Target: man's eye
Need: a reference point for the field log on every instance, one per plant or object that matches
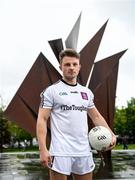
(67, 64)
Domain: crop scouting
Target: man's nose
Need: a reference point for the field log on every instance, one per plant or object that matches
(71, 66)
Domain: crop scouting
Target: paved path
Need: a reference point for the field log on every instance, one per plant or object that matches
(10, 171)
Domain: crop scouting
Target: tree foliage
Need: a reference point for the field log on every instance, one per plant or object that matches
(130, 114)
(124, 121)
(10, 132)
(19, 134)
(4, 130)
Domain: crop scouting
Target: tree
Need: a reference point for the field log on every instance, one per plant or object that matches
(18, 134)
(124, 120)
(130, 115)
(120, 121)
(4, 130)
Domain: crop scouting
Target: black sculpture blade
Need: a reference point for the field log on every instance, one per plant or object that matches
(57, 47)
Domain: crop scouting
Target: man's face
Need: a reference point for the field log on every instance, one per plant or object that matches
(70, 67)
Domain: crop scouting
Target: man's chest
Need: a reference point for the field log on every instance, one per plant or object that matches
(71, 98)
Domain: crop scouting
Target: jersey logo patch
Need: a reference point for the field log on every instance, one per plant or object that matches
(84, 95)
(62, 93)
(75, 92)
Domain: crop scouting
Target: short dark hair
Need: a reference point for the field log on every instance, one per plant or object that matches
(68, 52)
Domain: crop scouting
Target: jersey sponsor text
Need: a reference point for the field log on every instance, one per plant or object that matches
(73, 107)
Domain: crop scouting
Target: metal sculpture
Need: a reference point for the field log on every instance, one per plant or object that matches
(23, 108)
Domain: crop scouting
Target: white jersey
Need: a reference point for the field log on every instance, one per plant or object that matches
(69, 128)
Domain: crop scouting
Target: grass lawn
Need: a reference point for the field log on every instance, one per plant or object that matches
(120, 146)
(29, 149)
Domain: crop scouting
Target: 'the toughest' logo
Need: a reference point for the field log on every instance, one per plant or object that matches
(73, 107)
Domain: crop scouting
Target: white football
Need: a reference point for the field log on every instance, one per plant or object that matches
(100, 138)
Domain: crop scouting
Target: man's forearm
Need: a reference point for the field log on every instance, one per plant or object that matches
(41, 134)
(98, 119)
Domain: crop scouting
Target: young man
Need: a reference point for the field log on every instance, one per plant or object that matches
(67, 104)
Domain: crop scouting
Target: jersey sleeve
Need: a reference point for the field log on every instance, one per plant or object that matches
(91, 100)
(46, 98)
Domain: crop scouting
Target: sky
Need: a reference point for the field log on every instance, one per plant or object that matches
(27, 25)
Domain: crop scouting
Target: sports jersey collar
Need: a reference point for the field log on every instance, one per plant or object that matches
(68, 83)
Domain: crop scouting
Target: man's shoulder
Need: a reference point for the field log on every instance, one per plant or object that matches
(52, 86)
(56, 84)
(84, 89)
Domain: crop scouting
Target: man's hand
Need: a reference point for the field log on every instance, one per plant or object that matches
(45, 158)
(113, 143)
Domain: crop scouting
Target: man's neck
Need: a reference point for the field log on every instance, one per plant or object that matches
(71, 82)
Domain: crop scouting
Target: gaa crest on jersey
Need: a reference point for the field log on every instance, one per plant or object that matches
(62, 93)
(84, 95)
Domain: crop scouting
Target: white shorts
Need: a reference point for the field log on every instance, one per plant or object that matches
(77, 165)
